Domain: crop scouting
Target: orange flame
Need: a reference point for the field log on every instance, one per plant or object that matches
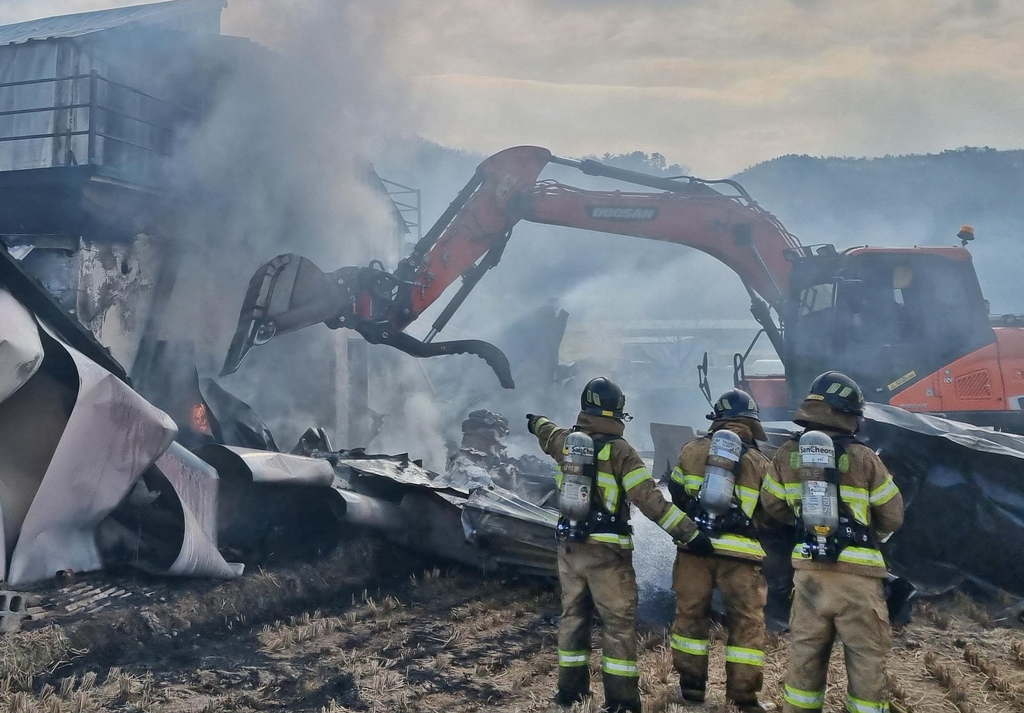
(199, 419)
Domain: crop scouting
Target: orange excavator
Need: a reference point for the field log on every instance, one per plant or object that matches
(909, 324)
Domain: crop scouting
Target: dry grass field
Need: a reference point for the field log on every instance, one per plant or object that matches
(369, 629)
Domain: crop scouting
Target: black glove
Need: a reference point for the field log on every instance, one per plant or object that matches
(529, 422)
(701, 545)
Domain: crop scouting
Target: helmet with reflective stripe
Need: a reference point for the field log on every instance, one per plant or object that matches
(734, 403)
(601, 397)
(838, 391)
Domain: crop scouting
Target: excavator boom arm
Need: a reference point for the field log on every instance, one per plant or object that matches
(470, 236)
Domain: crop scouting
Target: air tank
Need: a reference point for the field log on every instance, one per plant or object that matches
(818, 485)
(716, 491)
(578, 471)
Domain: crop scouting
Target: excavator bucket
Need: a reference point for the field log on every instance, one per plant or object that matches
(290, 293)
(285, 294)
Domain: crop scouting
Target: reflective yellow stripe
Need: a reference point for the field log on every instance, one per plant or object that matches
(619, 667)
(850, 555)
(609, 488)
(772, 487)
(672, 517)
(849, 492)
(607, 483)
(859, 705)
(748, 499)
(862, 555)
(693, 647)
(677, 476)
(558, 477)
(884, 493)
(808, 700)
(573, 658)
(634, 477)
(737, 544)
(737, 654)
(857, 500)
(693, 483)
(610, 538)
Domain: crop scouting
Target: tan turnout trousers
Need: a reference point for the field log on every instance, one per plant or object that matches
(744, 591)
(596, 575)
(852, 606)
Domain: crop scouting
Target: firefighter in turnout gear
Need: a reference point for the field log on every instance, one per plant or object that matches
(717, 482)
(599, 475)
(844, 502)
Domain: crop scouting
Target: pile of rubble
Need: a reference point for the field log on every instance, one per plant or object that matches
(93, 477)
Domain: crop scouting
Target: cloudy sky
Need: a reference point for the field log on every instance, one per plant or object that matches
(714, 84)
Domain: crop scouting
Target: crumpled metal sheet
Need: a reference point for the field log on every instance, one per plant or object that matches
(963, 489)
(196, 484)
(464, 474)
(964, 434)
(396, 468)
(76, 440)
(267, 467)
(236, 423)
(21, 351)
(112, 436)
(511, 530)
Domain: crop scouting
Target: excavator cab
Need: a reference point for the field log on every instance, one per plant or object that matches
(888, 317)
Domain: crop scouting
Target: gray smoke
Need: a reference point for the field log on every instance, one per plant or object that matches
(277, 164)
(274, 167)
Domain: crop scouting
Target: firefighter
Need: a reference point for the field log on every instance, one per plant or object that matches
(717, 482)
(844, 503)
(598, 475)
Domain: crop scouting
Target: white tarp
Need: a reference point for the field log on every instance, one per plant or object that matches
(74, 440)
(112, 436)
(21, 352)
(195, 483)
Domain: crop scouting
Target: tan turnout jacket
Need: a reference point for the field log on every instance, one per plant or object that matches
(621, 474)
(866, 489)
(688, 476)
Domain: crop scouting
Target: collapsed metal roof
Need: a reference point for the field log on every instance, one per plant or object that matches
(85, 23)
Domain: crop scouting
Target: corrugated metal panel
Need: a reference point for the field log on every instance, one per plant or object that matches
(85, 23)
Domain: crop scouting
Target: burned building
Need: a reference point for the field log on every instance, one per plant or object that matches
(94, 108)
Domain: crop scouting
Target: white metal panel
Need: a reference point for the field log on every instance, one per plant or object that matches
(195, 484)
(190, 15)
(21, 351)
(112, 436)
(20, 63)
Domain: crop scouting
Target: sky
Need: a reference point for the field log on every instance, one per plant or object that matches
(717, 85)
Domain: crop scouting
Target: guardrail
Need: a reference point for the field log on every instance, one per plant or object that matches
(110, 100)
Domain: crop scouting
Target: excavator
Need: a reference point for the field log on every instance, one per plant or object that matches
(910, 324)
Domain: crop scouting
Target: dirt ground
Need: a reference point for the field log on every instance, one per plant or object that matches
(369, 629)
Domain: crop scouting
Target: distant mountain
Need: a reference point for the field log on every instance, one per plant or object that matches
(907, 200)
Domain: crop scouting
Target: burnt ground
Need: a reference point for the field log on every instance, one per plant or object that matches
(370, 629)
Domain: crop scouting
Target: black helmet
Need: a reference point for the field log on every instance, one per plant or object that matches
(734, 403)
(839, 391)
(601, 397)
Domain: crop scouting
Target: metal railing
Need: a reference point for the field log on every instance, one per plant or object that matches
(102, 102)
(407, 201)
